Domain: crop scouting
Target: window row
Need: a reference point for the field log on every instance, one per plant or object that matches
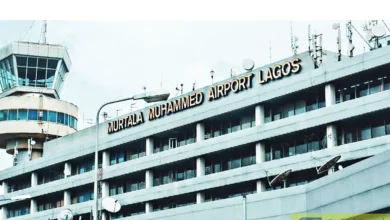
(233, 123)
(294, 145)
(41, 115)
(357, 90)
(129, 152)
(180, 138)
(119, 186)
(311, 101)
(174, 174)
(230, 160)
(36, 71)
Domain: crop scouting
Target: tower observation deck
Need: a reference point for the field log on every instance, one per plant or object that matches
(31, 112)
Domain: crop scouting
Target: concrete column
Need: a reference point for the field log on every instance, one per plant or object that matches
(259, 115)
(33, 206)
(260, 185)
(148, 207)
(331, 134)
(68, 169)
(260, 152)
(106, 159)
(149, 146)
(199, 132)
(105, 189)
(200, 167)
(34, 179)
(148, 179)
(4, 212)
(330, 95)
(67, 198)
(105, 215)
(199, 197)
(5, 187)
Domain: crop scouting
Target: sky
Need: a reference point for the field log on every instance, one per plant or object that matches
(115, 59)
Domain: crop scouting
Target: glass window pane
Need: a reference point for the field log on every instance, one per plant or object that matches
(44, 115)
(12, 114)
(3, 115)
(50, 78)
(378, 130)
(32, 62)
(42, 62)
(32, 114)
(246, 122)
(52, 116)
(21, 61)
(375, 86)
(60, 118)
(22, 114)
(41, 77)
(365, 133)
(300, 107)
(362, 90)
(31, 76)
(66, 120)
(52, 64)
(288, 110)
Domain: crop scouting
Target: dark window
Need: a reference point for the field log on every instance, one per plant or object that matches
(52, 116)
(60, 118)
(13, 114)
(32, 114)
(3, 115)
(22, 114)
(44, 115)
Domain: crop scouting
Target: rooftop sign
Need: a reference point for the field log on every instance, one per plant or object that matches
(232, 86)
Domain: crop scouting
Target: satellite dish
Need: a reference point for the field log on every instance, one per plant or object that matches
(248, 64)
(111, 205)
(33, 142)
(328, 164)
(340, 167)
(335, 26)
(378, 31)
(280, 177)
(65, 215)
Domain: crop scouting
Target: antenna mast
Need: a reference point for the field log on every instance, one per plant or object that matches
(294, 39)
(44, 30)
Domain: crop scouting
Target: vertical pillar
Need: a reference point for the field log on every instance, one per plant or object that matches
(260, 186)
(148, 207)
(106, 159)
(199, 132)
(4, 212)
(200, 167)
(259, 115)
(149, 146)
(260, 152)
(67, 169)
(105, 189)
(67, 198)
(5, 187)
(105, 215)
(33, 206)
(148, 179)
(34, 179)
(199, 197)
(330, 95)
(331, 134)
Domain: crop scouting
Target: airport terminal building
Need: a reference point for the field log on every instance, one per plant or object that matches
(206, 154)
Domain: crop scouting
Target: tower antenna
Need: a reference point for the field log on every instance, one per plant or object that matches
(294, 39)
(44, 31)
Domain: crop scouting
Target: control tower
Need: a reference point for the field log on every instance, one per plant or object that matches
(31, 112)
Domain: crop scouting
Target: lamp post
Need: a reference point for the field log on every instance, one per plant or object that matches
(155, 96)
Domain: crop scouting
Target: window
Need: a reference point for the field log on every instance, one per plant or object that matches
(44, 115)
(3, 115)
(52, 116)
(66, 119)
(12, 114)
(22, 114)
(365, 133)
(378, 129)
(32, 114)
(60, 118)
(300, 107)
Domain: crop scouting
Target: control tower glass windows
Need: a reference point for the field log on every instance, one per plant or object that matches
(7, 74)
(36, 71)
(22, 114)
(3, 115)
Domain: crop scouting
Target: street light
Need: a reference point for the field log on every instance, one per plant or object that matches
(155, 96)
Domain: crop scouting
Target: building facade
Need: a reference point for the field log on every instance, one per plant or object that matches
(209, 154)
